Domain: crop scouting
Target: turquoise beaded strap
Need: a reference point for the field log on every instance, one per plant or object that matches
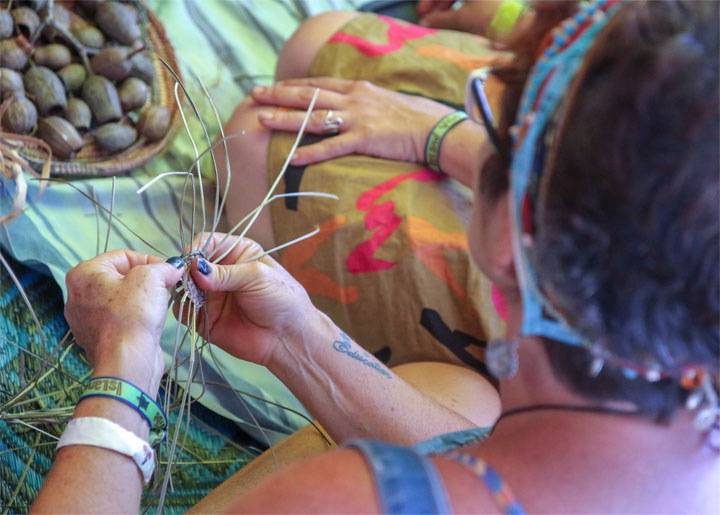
(436, 136)
(124, 391)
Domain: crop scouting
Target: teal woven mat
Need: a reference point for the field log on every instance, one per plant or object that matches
(215, 448)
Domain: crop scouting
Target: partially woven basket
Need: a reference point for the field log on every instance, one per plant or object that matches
(92, 160)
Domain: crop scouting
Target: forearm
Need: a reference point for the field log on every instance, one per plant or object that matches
(353, 395)
(87, 479)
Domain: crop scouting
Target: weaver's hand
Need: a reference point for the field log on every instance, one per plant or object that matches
(375, 121)
(116, 308)
(473, 17)
(252, 307)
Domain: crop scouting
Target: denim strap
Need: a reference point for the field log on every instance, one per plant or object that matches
(406, 481)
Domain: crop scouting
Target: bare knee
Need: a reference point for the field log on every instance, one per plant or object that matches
(247, 157)
(299, 51)
(462, 390)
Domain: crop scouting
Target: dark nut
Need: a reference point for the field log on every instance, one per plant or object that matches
(78, 113)
(73, 75)
(133, 93)
(154, 122)
(89, 36)
(61, 18)
(6, 24)
(142, 67)
(46, 89)
(115, 136)
(118, 21)
(11, 82)
(12, 54)
(59, 133)
(103, 99)
(26, 20)
(54, 56)
(20, 116)
(112, 62)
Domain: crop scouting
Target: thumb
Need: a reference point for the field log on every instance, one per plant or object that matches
(165, 272)
(212, 277)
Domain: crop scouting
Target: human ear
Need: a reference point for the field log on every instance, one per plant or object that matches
(499, 256)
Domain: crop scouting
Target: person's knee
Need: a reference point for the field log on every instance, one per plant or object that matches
(459, 388)
(299, 51)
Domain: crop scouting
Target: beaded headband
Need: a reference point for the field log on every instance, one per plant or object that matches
(542, 108)
(541, 105)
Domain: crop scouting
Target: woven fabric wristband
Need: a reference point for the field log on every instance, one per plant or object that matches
(505, 17)
(124, 391)
(436, 136)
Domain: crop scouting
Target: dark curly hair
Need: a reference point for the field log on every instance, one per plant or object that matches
(628, 239)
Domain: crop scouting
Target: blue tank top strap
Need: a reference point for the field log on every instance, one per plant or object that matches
(501, 493)
(406, 481)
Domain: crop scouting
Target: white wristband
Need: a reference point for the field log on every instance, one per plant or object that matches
(101, 432)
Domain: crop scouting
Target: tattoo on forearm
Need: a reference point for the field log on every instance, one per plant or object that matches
(344, 346)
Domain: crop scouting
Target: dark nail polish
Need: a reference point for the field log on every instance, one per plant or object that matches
(203, 266)
(176, 261)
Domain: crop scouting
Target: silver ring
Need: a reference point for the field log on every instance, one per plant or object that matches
(332, 124)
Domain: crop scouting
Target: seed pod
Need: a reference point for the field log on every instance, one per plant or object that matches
(102, 97)
(26, 20)
(112, 62)
(115, 136)
(73, 75)
(118, 21)
(12, 54)
(142, 67)
(78, 113)
(61, 17)
(133, 93)
(46, 89)
(154, 122)
(54, 56)
(11, 82)
(20, 116)
(59, 133)
(6, 24)
(89, 36)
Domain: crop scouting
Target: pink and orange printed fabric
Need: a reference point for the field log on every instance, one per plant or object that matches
(391, 264)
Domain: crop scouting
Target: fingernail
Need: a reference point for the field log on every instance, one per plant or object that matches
(176, 261)
(259, 90)
(265, 115)
(203, 266)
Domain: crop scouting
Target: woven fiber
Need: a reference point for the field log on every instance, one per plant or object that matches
(26, 455)
(92, 160)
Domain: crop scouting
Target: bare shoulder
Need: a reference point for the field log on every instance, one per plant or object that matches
(338, 481)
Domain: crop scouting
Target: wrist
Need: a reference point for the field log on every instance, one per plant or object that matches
(296, 351)
(460, 155)
(141, 365)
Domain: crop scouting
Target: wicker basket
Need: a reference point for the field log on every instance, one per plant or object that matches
(93, 161)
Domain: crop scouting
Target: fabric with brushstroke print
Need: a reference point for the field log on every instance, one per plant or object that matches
(391, 265)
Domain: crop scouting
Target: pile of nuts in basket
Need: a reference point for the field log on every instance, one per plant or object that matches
(76, 72)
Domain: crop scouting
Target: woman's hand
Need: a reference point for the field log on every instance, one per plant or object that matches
(473, 17)
(117, 306)
(375, 121)
(252, 308)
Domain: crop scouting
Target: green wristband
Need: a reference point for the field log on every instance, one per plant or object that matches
(505, 17)
(126, 392)
(436, 136)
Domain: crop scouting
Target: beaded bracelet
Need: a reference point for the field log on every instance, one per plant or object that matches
(124, 391)
(436, 136)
